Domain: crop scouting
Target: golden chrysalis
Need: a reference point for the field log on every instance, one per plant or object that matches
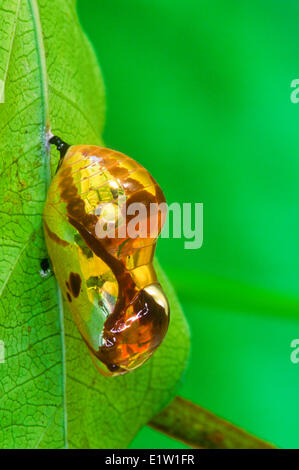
(107, 278)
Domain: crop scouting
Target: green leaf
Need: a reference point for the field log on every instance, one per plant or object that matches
(10, 12)
(51, 395)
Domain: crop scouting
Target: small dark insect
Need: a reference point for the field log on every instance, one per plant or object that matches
(44, 264)
(45, 267)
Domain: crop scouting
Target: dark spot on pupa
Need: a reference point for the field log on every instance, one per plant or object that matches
(118, 172)
(54, 237)
(68, 193)
(113, 367)
(75, 284)
(131, 185)
(68, 297)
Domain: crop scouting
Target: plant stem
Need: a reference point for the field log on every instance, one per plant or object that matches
(201, 429)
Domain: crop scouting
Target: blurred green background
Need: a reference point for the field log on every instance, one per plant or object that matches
(199, 93)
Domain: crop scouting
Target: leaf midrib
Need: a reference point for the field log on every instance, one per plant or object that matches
(46, 156)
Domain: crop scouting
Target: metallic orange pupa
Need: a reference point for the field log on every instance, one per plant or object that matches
(108, 281)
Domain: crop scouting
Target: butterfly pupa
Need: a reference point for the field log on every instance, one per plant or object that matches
(107, 278)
